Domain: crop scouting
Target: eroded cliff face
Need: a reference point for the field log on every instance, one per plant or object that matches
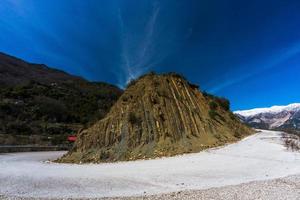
(158, 115)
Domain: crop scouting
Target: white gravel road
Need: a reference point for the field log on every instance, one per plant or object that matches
(256, 158)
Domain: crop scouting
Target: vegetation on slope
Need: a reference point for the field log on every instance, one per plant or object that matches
(44, 105)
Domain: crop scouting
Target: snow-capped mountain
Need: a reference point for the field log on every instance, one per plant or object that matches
(275, 117)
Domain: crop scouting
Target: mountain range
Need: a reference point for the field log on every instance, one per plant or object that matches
(276, 117)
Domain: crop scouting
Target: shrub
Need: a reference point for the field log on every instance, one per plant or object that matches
(6, 108)
(193, 86)
(213, 114)
(151, 73)
(213, 105)
(20, 92)
(232, 116)
(177, 75)
(207, 95)
(51, 108)
(58, 139)
(125, 98)
(133, 119)
(224, 103)
(291, 142)
(104, 155)
(18, 127)
(237, 135)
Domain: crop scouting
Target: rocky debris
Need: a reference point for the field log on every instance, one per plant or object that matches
(283, 188)
(158, 115)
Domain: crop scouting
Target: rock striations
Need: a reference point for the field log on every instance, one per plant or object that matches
(158, 115)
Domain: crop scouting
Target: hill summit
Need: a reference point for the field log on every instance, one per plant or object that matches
(158, 115)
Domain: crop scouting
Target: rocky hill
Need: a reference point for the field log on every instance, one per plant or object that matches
(158, 115)
(41, 105)
(276, 117)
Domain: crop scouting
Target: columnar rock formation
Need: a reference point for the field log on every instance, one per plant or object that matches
(158, 115)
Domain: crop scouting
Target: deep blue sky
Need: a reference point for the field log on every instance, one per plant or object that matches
(247, 51)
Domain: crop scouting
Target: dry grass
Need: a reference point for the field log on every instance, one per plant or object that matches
(291, 141)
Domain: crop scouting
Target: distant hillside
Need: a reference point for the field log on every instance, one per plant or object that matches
(14, 71)
(158, 115)
(39, 104)
(276, 117)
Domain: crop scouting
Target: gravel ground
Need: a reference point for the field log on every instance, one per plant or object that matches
(287, 188)
(284, 189)
(259, 158)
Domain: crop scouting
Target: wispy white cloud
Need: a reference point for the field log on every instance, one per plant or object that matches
(125, 65)
(146, 43)
(137, 54)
